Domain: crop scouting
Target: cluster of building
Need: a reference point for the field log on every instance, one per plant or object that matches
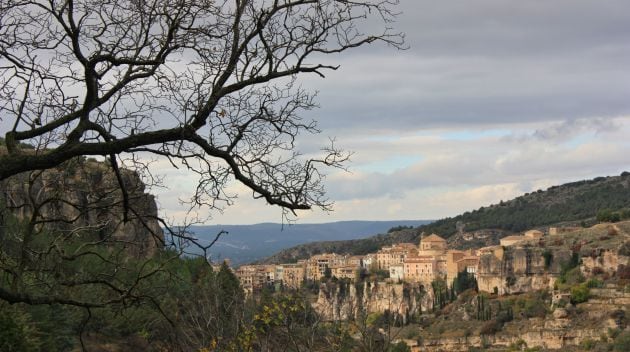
(293, 275)
(422, 263)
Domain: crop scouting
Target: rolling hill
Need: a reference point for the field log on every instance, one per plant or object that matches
(571, 203)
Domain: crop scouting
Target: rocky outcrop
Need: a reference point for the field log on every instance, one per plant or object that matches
(519, 269)
(84, 198)
(342, 301)
(553, 334)
(560, 330)
(603, 262)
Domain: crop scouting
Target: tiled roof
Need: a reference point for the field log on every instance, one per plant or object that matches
(433, 238)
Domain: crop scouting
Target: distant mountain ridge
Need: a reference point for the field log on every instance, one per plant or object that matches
(249, 243)
(568, 203)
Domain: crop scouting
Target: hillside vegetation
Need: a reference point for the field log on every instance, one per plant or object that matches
(572, 202)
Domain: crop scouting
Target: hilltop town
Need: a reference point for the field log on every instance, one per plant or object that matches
(541, 289)
(430, 260)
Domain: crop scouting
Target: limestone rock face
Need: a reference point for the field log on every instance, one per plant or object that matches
(84, 198)
(604, 261)
(556, 334)
(519, 269)
(342, 301)
(560, 313)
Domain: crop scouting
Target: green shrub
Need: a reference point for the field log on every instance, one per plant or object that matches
(607, 215)
(15, 335)
(587, 344)
(518, 345)
(572, 276)
(613, 333)
(400, 347)
(622, 342)
(535, 308)
(594, 283)
(580, 294)
(412, 334)
(530, 305)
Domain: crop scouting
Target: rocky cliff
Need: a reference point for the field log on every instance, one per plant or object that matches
(84, 197)
(548, 334)
(342, 300)
(510, 270)
(535, 265)
(606, 262)
(563, 329)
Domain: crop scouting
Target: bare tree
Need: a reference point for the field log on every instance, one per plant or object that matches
(210, 85)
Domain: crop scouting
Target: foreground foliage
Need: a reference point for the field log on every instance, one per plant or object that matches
(188, 306)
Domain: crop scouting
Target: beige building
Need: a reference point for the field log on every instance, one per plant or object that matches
(420, 269)
(468, 264)
(254, 278)
(458, 261)
(341, 266)
(534, 234)
(452, 269)
(527, 236)
(355, 260)
(435, 260)
(424, 263)
(246, 275)
(294, 274)
(317, 264)
(394, 255)
(432, 245)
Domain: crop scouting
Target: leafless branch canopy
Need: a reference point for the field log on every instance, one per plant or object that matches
(208, 84)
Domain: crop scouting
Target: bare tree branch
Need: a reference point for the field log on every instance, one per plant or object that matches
(105, 78)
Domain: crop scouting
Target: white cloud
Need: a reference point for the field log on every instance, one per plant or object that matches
(493, 99)
(450, 175)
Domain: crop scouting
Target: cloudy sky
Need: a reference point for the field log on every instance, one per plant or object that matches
(494, 98)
